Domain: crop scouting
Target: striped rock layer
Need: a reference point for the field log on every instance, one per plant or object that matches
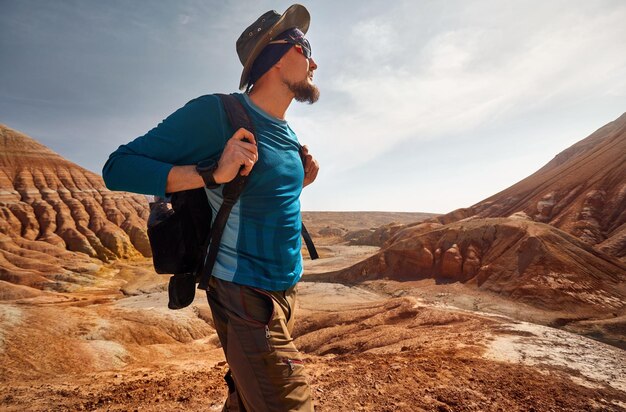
(58, 219)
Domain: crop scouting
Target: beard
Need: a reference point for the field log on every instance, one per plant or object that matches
(304, 91)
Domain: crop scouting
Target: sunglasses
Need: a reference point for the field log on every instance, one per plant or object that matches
(302, 45)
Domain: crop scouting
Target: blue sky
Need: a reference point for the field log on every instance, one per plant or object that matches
(425, 106)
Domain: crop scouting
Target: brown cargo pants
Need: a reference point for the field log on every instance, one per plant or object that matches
(254, 327)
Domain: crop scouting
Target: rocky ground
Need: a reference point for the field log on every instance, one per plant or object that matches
(373, 347)
(448, 317)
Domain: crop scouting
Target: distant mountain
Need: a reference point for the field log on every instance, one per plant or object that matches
(517, 258)
(556, 240)
(581, 191)
(57, 218)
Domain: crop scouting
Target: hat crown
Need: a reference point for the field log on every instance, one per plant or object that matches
(263, 30)
(254, 32)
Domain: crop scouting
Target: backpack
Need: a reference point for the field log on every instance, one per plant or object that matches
(183, 240)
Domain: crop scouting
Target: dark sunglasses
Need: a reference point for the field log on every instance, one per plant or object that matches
(302, 45)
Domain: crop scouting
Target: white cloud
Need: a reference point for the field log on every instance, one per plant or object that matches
(374, 40)
(496, 61)
(412, 92)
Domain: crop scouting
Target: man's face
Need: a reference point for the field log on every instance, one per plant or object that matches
(297, 75)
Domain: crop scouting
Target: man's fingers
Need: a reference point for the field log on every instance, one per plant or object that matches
(309, 163)
(243, 134)
(238, 144)
(247, 167)
(242, 157)
(245, 160)
(243, 139)
(239, 156)
(311, 167)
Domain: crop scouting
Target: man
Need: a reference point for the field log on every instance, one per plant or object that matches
(252, 291)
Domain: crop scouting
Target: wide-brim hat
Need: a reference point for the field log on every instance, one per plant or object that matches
(254, 39)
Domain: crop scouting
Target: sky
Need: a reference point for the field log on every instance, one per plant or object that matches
(426, 106)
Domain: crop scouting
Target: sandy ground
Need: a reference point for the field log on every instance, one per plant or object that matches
(337, 256)
(381, 346)
(532, 344)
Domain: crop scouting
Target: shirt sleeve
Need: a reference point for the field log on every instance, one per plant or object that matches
(195, 132)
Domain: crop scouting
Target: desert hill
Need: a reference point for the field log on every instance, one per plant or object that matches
(581, 191)
(522, 260)
(358, 228)
(95, 335)
(363, 352)
(58, 222)
(554, 242)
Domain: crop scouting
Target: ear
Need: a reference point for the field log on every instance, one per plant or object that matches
(277, 68)
(279, 63)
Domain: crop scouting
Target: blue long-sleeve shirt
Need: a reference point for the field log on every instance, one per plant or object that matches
(261, 242)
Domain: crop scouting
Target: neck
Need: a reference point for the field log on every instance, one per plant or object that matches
(273, 101)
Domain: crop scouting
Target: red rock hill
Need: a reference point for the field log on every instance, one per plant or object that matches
(556, 240)
(582, 191)
(50, 207)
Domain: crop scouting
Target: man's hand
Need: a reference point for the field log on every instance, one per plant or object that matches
(237, 153)
(311, 167)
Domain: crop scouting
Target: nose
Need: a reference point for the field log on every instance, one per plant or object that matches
(312, 64)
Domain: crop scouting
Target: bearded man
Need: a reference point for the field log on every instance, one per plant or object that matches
(252, 290)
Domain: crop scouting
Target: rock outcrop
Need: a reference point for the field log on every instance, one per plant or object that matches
(524, 260)
(581, 191)
(556, 240)
(373, 237)
(50, 207)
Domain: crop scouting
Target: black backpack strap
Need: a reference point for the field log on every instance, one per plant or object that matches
(238, 118)
(309, 243)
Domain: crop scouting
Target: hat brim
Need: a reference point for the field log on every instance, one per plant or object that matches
(296, 16)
